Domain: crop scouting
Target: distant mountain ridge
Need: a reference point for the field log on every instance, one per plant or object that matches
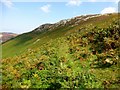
(5, 36)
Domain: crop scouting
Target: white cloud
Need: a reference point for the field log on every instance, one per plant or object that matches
(108, 10)
(46, 8)
(117, 1)
(74, 3)
(7, 3)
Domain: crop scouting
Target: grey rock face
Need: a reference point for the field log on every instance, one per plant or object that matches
(69, 22)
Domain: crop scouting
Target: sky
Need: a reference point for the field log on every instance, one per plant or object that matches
(20, 16)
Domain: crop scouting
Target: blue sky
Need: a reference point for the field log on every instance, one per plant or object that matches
(21, 17)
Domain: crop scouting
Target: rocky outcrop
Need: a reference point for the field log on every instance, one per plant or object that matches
(69, 22)
(43, 27)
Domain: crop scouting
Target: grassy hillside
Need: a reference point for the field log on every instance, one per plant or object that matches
(83, 56)
(32, 39)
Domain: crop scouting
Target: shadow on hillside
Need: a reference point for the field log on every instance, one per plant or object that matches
(101, 65)
(54, 86)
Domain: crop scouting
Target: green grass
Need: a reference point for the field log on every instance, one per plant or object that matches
(85, 56)
(21, 43)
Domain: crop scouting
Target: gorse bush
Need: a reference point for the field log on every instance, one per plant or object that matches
(66, 62)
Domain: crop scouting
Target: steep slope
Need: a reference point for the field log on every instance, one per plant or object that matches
(85, 56)
(47, 32)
